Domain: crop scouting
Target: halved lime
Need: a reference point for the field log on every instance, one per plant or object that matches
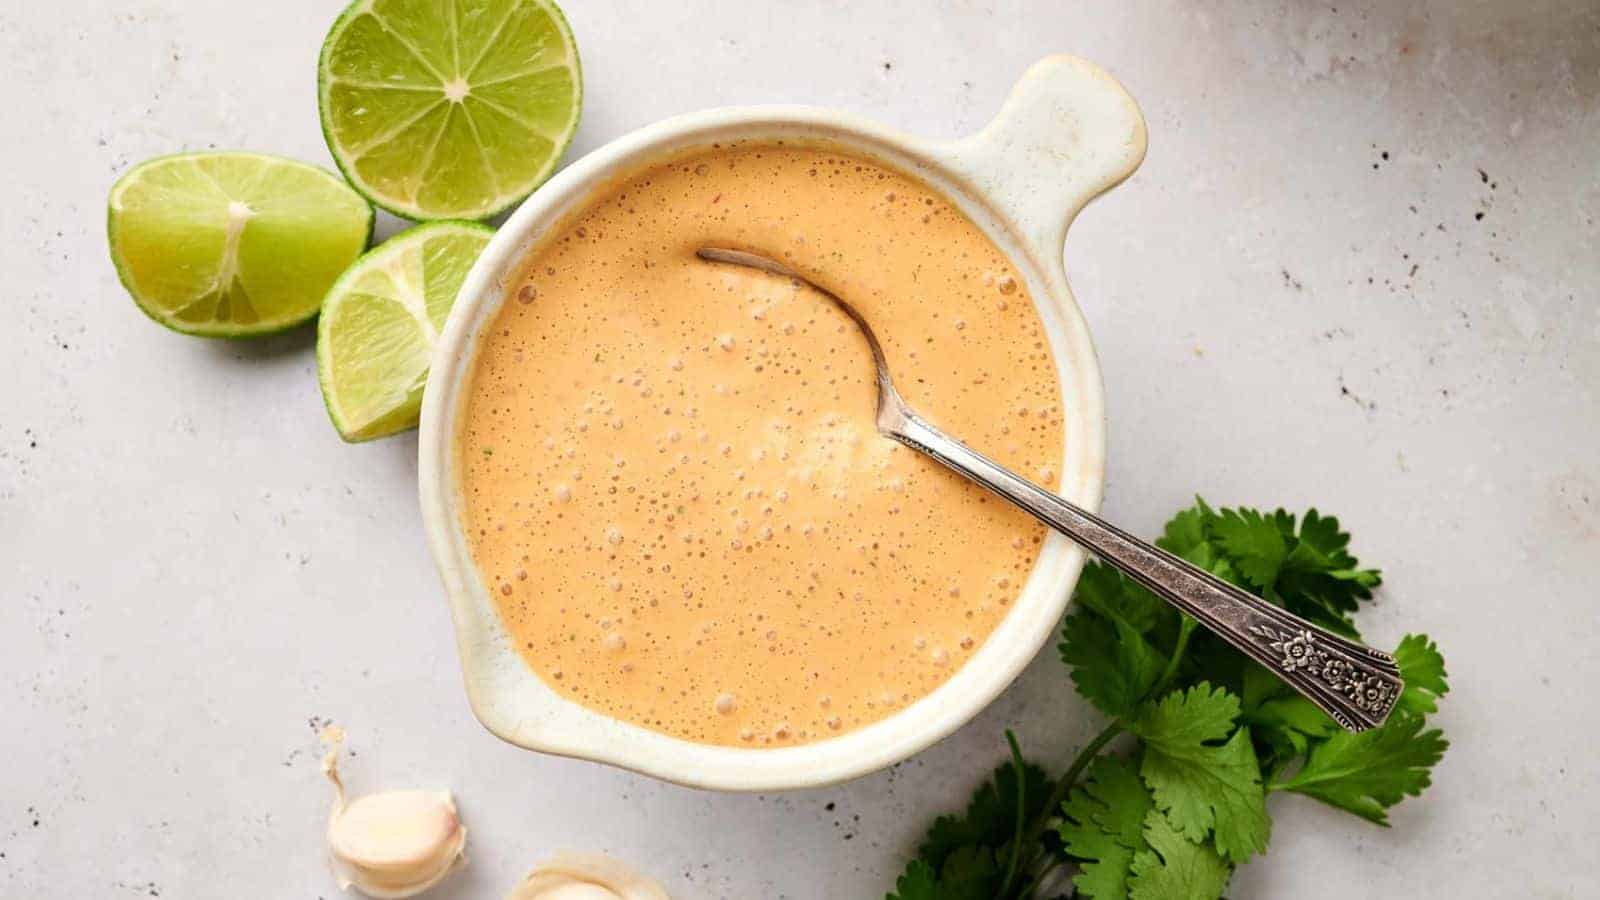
(232, 244)
(449, 109)
(381, 320)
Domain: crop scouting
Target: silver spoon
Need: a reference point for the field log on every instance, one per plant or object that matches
(1356, 685)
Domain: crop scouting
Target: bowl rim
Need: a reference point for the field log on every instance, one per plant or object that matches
(513, 703)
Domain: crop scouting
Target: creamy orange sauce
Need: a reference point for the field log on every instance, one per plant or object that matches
(672, 484)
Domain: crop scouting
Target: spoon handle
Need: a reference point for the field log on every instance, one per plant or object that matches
(1355, 685)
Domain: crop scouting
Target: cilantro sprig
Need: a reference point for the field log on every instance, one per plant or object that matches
(1172, 794)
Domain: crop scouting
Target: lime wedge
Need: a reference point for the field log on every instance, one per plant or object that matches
(232, 244)
(381, 320)
(450, 109)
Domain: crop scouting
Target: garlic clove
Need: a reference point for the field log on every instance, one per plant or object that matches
(393, 844)
(396, 844)
(586, 876)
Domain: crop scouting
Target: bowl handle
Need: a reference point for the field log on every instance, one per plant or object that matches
(1067, 133)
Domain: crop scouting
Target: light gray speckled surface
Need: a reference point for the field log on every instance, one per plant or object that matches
(1295, 302)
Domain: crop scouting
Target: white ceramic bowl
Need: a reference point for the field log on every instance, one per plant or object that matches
(1067, 133)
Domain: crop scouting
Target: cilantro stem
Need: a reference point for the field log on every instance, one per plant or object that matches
(1091, 750)
(1081, 762)
(1022, 811)
(1059, 793)
(1185, 629)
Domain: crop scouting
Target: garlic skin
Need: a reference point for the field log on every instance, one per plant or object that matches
(586, 876)
(393, 844)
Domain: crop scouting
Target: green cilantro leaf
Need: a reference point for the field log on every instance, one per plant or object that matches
(1199, 785)
(991, 816)
(1113, 666)
(964, 857)
(970, 873)
(1184, 718)
(1422, 669)
(1175, 869)
(1104, 876)
(1369, 772)
(918, 882)
(1256, 544)
(1202, 786)
(1102, 827)
(1281, 720)
(1187, 530)
(1257, 686)
(1321, 545)
(1298, 714)
(1213, 660)
(1189, 534)
(1114, 595)
(1320, 579)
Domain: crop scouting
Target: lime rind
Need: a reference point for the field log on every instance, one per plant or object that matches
(138, 283)
(395, 164)
(381, 320)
